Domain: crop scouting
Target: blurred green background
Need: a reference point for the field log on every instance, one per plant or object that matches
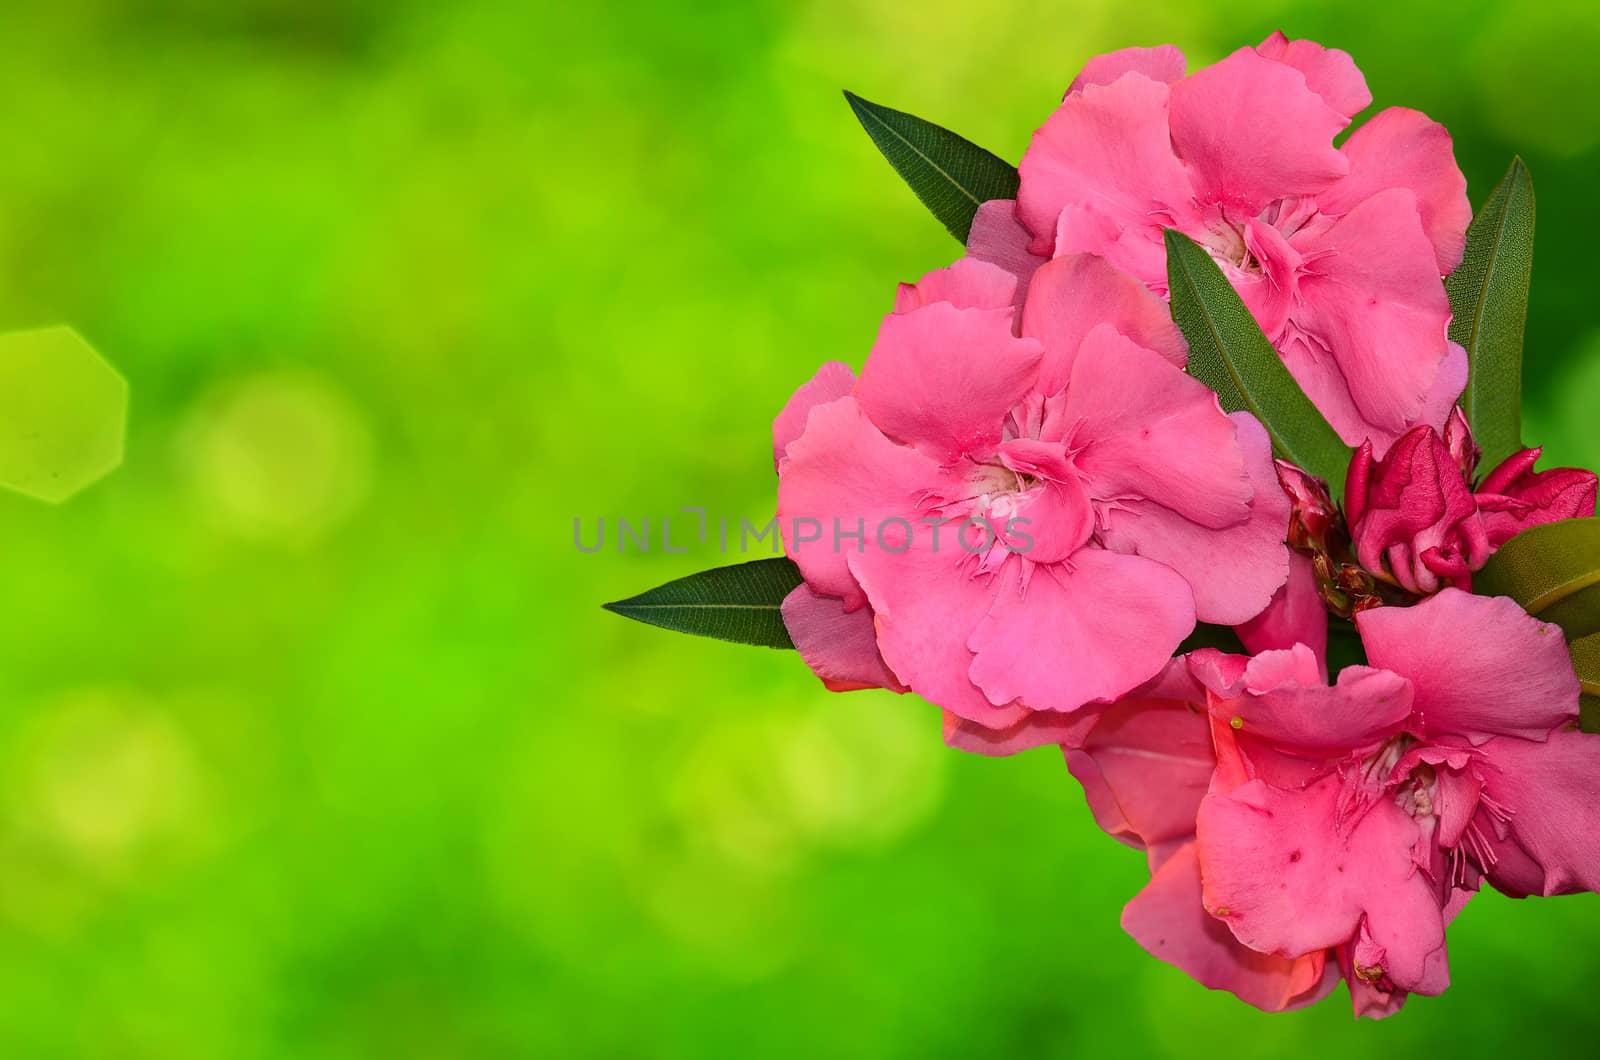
(313, 739)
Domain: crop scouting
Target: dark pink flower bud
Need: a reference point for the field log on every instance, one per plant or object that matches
(1458, 439)
(1412, 514)
(1514, 497)
(1311, 509)
(1356, 483)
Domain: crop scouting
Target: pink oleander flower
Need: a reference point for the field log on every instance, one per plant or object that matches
(1414, 515)
(1358, 819)
(1037, 505)
(1297, 832)
(1145, 766)
(1337, 252)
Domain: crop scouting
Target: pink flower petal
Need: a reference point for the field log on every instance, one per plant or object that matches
(843, 469)
(1094, 228)
(1057, 516)
(1144, 767)
(1110, 145)
(840, 646)
(1400, 148)
(1162, 63)
(1296, 615)
(927, 604)
(1150, 431)
(1169, 920)
(943, 378)
(1509, 471)
(832, 381)
(1380, 998)
(1234, 571)
(1251, 131)
(1037, 728)
(1375, 301)
(1271, 293)
(1330, 73)
(967, 284)
(1514, 497)
(1440, 401)
(1292, 875)
(1481, 665)
(998, 238)
(1073, 295)
(1553, 792)
(1087, 631)
(1287, 704)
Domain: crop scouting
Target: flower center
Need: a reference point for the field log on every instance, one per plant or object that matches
(1026, 499)
(1377, 770)
(1226, 244)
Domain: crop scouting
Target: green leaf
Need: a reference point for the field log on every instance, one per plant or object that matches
(1489, 303)
(952, 176)
(1553, 571)
(738, 603)
(1229, 354)
(1586, 661)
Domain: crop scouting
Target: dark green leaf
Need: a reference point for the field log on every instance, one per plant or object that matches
(1489, 302)
(738, 603)
(1553, 571)
(1586, 661)
(1589, 713)
(952, 176)
(1228, 353)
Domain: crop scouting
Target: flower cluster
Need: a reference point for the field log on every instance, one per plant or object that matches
(1046, 506)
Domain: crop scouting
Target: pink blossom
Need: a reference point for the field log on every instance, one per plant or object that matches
(1359, 818)
(1145, 766)
(1298, 833)
(1413, 515)
(1145, 506)
(1338, 253)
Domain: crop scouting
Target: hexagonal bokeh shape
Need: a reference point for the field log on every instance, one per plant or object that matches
(63, 410)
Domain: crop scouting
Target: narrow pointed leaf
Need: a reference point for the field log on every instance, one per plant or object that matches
(738, 603)
(1229, 354)
(1586, 661)
(952, 176)
(1489, 304)
(1553, 571)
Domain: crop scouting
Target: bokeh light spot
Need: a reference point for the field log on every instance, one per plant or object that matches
(109, 778)
(63, 411)
(282, 457)
(865, 773)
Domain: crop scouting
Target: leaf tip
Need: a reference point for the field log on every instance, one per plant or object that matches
(1176, 240)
